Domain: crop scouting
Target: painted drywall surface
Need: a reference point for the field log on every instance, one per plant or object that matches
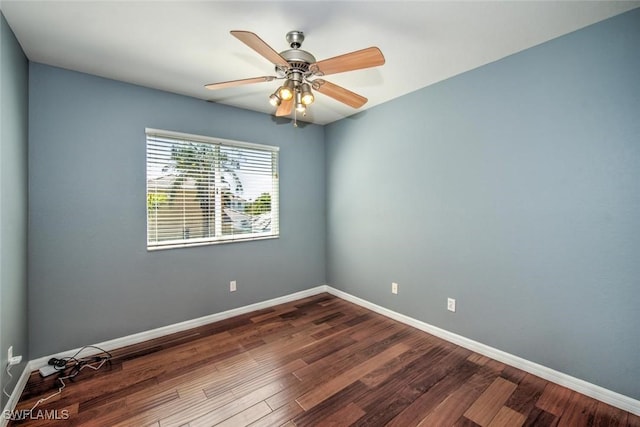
(514, 188)
(91, 277)
(13, 199)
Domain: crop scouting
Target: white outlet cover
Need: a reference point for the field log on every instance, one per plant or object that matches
(394, 288)
(232, 286)
(451, 304)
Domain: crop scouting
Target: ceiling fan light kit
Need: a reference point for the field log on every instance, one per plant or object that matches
(299, 70)
(274, 99)
(306, 96)
(287, 90)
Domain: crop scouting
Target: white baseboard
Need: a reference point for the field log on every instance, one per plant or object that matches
(179, 327)
(600, 393)
(15, 395)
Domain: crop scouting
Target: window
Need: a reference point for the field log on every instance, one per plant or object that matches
(203, 190)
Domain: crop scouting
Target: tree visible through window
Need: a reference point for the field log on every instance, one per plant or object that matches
(203, 190)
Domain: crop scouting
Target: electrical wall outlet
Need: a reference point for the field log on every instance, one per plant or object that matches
(451, 304)
(232, 286)
(11, 359)
(394, 288)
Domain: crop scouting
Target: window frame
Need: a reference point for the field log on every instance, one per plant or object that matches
(274, 232)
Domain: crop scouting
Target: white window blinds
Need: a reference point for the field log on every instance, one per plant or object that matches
(203, 190)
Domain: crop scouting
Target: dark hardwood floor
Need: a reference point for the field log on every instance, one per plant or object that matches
(316, 361)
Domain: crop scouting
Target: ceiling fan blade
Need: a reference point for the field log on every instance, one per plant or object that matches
(285, 108)
(365, 58)
(232, 83)
(339, 93)
(260, 46)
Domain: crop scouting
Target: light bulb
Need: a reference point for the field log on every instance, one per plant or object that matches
(307, 97)
(286, 91)
(274, 100)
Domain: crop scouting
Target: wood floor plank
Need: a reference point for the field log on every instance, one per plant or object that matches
(490, 402)
(381, 374)
(277, 349)
(400, 390)
(349, 356)
(507, 417)
(324, 348)
(317, 395)
(286, 371)
(345, 416)
(333, 330)
(150, 401)
(273, 313)
(454, 406)
(167, 357)
(132, 416)
(289, 394)
(580, 411)
(371, 328)
(205, 414)
(360, 316)
(446, 376)
(465, 422)
(539, 418)
(346, 365)
(554, 399)
(109, 413)
(279, 416)
(478, 358)
(235, 381)
(512, 374)
(529, 390)
(608, 416)
(239, 362)
(247, 416)
(97, 401)
(633, 420)
(335, 403)
(302, 318)
(194, 382)
(497, 367)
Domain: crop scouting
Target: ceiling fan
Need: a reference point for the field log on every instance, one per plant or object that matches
(300, 72)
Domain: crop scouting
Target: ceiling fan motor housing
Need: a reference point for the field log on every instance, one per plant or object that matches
(299, 62)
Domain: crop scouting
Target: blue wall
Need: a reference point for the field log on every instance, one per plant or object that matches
(13, 199)
(91, 278)
(514, 188)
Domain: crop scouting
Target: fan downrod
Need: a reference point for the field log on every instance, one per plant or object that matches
(295, 39)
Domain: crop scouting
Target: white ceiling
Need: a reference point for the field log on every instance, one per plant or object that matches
(179, 46)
